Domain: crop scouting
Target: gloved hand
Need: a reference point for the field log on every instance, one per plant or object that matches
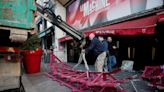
(83, 50)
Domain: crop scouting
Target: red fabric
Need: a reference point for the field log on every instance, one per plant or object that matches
(161, 17)
(66, 38)
(136, 31)
(141, 26)
(132, 27)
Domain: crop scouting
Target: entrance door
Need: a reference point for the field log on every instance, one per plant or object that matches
(139, 49)
(159, 59)
(143, 56)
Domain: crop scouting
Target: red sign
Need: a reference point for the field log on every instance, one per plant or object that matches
(86, 13)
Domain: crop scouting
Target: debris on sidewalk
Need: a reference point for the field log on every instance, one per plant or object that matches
(155, 76)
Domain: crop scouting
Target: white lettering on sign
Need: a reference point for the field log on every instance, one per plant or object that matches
(93, 5)
(105, 32)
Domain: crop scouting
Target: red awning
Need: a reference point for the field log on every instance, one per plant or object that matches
(66, 38)
(132, 27)
(160, 16)
(141, 26)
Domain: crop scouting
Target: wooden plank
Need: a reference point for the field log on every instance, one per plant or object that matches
(9, 74)
(11, 68)
(9, 82)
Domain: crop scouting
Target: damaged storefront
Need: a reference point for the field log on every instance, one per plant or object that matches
(135, 25)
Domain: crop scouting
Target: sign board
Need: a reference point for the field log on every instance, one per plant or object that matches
(86, 13)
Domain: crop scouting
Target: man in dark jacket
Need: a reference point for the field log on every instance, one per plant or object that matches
(112, 54)
(99, 51)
